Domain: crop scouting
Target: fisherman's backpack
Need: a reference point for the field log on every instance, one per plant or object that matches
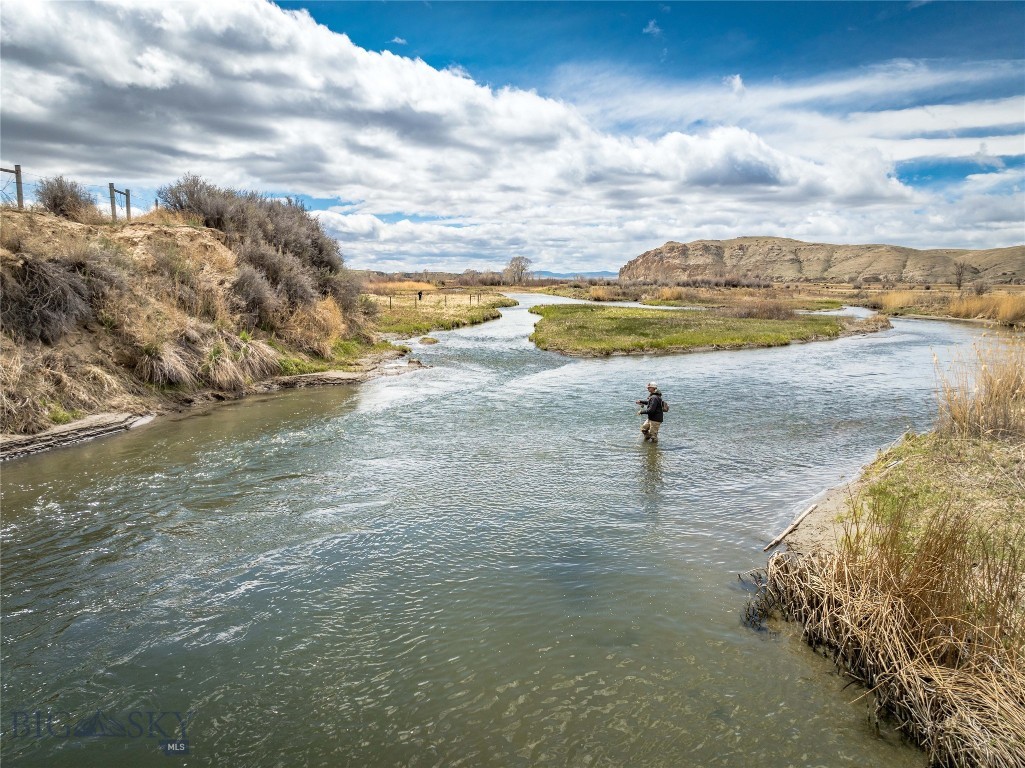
(665, 405)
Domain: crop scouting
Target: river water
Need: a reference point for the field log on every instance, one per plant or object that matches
(474, 564)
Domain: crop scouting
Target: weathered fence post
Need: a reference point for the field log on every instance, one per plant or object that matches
(113, 204)
(128, 204)
(17, 183)
(17, 186)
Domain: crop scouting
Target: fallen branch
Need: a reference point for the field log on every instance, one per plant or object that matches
(790, 528)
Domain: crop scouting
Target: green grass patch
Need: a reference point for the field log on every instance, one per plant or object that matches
(58, 415)
(295, 366)
(583, 329)
(816, 305)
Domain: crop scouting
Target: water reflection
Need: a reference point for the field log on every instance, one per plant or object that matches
(652, 459)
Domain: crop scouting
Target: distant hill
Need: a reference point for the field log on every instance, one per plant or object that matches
(785, 260)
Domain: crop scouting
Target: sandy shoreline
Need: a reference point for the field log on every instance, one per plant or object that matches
(103, 424)
(822, 529)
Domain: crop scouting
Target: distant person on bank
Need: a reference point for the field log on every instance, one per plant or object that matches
(652, 408)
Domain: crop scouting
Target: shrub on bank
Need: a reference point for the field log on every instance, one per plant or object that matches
(67, 199)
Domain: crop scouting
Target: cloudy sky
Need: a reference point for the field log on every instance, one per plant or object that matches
(457, 135)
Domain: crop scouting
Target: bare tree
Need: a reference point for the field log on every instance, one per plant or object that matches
(517, 269)
(960, 268)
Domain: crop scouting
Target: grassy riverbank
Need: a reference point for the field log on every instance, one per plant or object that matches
(213, 294)
(1000, 306)
(581, 329)
(923, 596)
(406, 315)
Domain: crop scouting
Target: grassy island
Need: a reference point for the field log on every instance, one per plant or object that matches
(406, 315)
(585, 329)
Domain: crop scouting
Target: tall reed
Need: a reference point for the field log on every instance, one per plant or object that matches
(985, 398)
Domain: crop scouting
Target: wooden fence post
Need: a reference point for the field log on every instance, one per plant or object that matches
(128, 204)
(113, 204)
(17, 184)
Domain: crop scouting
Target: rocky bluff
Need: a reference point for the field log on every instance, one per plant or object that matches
(785, 260)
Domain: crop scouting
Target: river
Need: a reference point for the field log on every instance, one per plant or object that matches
(473, 564)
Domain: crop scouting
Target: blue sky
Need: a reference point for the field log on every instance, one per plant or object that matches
(451, 135)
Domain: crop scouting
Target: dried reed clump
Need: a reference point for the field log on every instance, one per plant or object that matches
(987, 398)
(166, 363)
(230, 362)
(678, 294)
(932, 620)
(16, 414)
(602, 293)
(315, 329)
(1005, 308)
(37, 385)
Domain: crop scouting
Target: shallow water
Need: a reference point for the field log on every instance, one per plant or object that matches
(473, 564)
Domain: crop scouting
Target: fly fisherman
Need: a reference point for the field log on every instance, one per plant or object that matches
(652, 408)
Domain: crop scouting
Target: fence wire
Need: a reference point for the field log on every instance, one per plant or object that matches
(30, 183)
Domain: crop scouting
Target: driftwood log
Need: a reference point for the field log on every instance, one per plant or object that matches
(790, 528)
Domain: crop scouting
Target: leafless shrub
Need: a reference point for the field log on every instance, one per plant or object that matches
(43, 299)
(65, 198)
(263, 305)
(283, 270)
(369, 308)
(345, 287)
(980, 287)
(287, 262)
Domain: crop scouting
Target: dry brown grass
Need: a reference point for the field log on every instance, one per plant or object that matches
(602, 293)
(986, 398)
(170, 218)
(1005, 308)
(764, 309)
(37, 385)
(691, 295)
(934, 630)
(315, 329)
